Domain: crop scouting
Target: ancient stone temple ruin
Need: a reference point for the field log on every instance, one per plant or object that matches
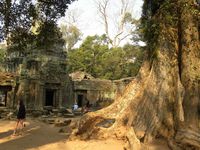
(41, 77)
(41, 80)
(98, 92)
(7, 84)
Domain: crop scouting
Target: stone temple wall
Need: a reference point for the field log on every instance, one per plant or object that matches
(42, 81)
(97, 91)
(42, 77)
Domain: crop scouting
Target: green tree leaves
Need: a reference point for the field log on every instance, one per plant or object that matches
(21, 15)
(2, 56)
(71, 34)
(95, 57)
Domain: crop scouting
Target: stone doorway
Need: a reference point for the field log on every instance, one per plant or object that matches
(80, 96)
(50, 97)
(80, 100)
(3, 98)
(3, 95)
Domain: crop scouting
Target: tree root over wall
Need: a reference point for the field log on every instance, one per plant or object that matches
(163, 100)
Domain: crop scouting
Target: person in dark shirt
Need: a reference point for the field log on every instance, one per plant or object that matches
(21, 115)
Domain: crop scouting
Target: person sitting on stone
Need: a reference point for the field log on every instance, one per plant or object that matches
(74, 107)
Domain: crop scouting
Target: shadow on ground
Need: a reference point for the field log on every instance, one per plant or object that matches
(5, 134)
(35, 135)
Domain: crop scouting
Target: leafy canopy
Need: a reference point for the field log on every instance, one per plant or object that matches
(18, 17)
(95, 57)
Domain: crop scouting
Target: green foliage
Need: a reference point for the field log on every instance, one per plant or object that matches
(150, 26)
(51, 10)
(95, 57)
(2, 56)
(15, 14)
(156, 15)
(127, 17)
(71, 34)
(49, 35)
(88, 56)
(19, 41)
(17, 18)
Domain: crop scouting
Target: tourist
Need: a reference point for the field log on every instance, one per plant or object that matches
(74, 107)
(21, 115)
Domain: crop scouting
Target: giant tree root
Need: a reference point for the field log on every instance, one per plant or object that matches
(163, 101)
(115, 121)
(188, 137)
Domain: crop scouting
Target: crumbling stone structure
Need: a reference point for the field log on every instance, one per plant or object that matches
(84, 87)
(42, 77)
(7, 89)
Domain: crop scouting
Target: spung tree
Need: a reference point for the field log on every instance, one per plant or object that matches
(163, 100)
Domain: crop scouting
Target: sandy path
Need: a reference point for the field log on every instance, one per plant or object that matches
(40, 136)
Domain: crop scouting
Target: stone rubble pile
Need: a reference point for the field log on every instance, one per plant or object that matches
(64, 119)
(6, 113)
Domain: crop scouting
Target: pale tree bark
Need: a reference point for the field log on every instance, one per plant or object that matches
(69, 28)
(102, 7)
(164, 99)
(121, 23)
(121, 32)
(190, 73)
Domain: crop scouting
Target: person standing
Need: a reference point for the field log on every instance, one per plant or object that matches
(21, 115)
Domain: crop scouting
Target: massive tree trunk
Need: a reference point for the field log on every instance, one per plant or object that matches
(164, 99)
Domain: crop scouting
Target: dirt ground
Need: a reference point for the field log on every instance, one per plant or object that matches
(40, 136)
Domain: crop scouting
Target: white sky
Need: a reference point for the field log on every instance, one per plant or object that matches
(87, 19)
